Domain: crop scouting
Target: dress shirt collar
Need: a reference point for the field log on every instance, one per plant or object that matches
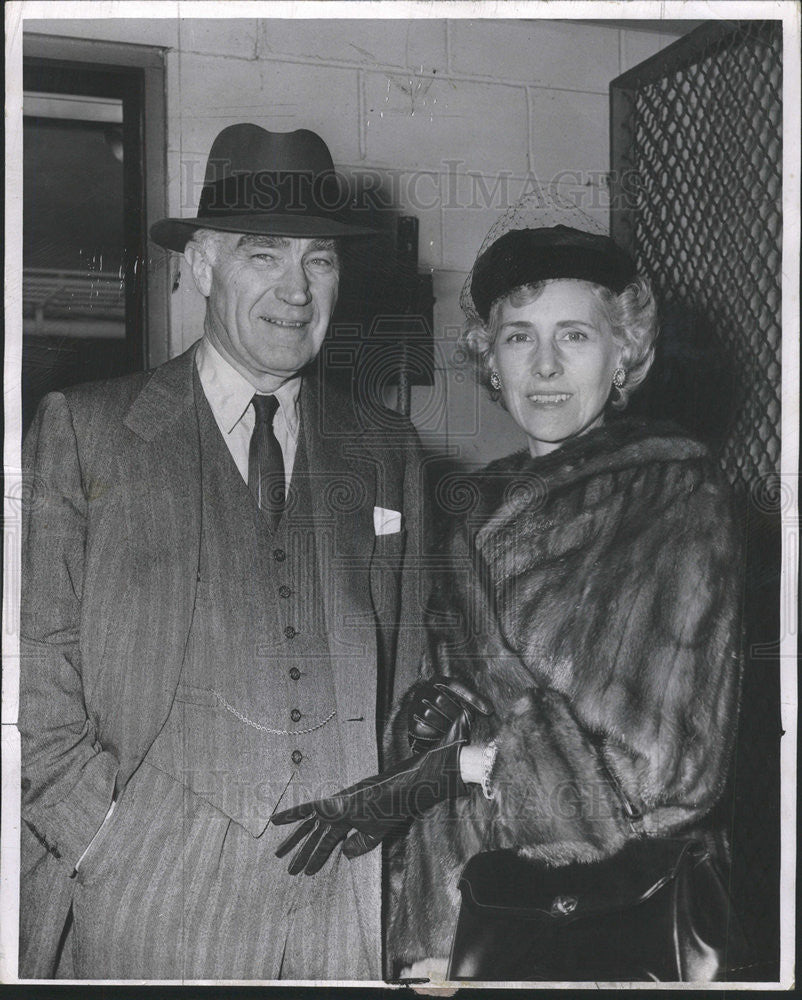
(229, 394)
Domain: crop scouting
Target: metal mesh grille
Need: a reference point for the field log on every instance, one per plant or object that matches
(706, 151)
(697, 198)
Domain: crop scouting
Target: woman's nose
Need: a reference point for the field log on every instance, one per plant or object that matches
(546, 363)
(294, 286)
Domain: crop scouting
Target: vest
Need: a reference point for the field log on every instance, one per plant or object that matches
(253, 723)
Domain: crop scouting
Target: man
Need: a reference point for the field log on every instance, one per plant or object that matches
(218, 584)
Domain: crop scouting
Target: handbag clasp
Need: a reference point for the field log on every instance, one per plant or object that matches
(563, 905)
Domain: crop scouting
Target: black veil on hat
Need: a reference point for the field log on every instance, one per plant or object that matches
(542, 236)
(270, 183)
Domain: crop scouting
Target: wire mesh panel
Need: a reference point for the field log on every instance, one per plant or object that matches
(697, 172)
(696, 189)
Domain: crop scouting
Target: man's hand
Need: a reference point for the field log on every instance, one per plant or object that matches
(364, 814)
(442, 711)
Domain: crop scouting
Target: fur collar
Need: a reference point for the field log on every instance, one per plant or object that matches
(613, 446)
(518, 482)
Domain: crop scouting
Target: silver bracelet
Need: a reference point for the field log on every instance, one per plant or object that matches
(489, 754)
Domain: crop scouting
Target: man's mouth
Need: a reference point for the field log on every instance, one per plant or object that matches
(289, 324)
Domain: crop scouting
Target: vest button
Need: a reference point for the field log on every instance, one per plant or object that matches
(279, 555)
(295, 673)
(295, 715)
(297, 756)
(284, 590)
(290, 632)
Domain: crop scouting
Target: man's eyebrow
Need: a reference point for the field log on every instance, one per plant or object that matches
(256, 240)
(281, 242)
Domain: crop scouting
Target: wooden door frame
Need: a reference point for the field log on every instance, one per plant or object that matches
(150, 59)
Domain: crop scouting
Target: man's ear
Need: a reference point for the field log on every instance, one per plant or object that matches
(201, 268)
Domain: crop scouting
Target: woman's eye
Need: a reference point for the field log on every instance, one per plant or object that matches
(517, 338)
(575, 336)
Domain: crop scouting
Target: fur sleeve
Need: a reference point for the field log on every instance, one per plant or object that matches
(552, 797)
(637, 670)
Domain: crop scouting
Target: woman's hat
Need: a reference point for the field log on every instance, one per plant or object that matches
(525, 256)
(273, 183)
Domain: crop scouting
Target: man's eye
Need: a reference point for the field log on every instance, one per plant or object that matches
(263, 256)
(321, 262)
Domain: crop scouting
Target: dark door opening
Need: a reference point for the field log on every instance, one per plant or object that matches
(84, 230)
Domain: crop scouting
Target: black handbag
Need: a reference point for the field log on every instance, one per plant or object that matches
(658, 910)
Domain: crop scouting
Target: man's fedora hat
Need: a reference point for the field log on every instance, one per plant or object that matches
(272, 183)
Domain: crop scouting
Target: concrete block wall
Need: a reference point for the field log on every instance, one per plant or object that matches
(457, 118)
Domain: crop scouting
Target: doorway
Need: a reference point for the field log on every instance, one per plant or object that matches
(88, 297)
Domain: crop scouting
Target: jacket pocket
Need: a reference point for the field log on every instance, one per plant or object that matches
(389, 547)
(94, 849)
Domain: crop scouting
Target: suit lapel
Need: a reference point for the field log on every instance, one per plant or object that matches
(166, 397)
(343, 486)
(163, 478)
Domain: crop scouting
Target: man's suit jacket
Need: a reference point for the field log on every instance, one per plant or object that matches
(110, 568)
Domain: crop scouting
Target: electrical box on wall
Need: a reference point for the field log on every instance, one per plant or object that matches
(381, 332)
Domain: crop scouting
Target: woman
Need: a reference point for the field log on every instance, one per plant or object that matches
(591, 596)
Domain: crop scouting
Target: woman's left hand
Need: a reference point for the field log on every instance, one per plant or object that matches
(442, 711)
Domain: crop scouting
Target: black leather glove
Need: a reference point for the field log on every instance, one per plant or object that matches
(442, 711)
(364, 814)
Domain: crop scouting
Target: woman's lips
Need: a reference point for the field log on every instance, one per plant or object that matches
(549, 398)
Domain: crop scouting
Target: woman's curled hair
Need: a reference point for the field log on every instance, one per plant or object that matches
(632, 315)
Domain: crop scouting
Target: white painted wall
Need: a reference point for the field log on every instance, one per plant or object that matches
(457, 116)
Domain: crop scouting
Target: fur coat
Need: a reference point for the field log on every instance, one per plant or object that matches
(593, 596)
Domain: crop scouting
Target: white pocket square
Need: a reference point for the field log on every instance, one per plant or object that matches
(386, 522)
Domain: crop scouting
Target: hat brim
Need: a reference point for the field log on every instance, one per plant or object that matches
(174, 234)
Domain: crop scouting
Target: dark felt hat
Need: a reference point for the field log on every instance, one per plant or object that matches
(525, 256)
(272, 183)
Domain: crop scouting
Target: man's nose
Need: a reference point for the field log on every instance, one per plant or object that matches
(294, 286)
(546, 362)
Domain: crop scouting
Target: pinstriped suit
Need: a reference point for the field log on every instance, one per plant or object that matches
(110, 586)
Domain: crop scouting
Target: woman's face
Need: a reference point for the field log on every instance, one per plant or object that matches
(556, 356)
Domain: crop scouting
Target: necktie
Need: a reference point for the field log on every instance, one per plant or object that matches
(266, 462)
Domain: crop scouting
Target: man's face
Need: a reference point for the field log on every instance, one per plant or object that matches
(269, 302)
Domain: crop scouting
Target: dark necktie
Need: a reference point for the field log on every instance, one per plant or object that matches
(266, 462)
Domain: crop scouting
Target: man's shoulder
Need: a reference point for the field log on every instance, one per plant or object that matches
(107, 393)
(111, 399)
(95, 409)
